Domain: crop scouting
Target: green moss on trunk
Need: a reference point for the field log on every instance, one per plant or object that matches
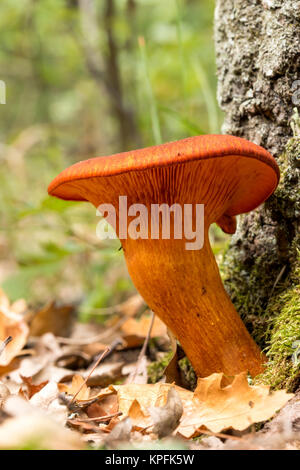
(282, 335)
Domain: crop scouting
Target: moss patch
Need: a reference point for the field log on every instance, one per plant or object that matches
(188, 375)
(283, 317)
(156, 369)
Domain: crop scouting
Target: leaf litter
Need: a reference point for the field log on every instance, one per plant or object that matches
(64, 392)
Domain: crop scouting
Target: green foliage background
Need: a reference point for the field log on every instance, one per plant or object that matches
(60, 110)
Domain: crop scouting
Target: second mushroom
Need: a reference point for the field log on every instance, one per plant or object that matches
(228, 176)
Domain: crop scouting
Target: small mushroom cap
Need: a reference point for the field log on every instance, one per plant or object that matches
(247, 171)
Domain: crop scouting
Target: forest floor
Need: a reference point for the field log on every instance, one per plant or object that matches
(70, 385)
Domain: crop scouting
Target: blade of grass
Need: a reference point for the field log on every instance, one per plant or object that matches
(183, 61)
(151, 98)
(208, 96)
(193, 128)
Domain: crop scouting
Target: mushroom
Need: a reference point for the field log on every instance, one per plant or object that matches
(229, 176)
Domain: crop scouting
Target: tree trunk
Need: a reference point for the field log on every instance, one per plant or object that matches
(258, 66)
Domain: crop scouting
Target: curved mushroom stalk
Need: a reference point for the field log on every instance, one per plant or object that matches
(177, 276)
(185, 290)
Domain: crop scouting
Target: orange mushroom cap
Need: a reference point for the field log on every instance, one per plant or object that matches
(257, 170)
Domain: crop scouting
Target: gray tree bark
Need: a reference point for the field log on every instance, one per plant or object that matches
(258, 66)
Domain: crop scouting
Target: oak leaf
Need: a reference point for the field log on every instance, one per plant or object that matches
(236, 406)
(211, 406)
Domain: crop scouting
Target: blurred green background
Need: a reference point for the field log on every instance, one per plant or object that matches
(86, 78)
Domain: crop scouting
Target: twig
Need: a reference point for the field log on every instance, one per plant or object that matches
(112, 347)
(100, 418)
(142, 352)
(91, 371)
(5, 343)
(277, 279)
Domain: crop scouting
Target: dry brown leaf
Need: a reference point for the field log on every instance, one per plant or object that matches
(32, 389)
(211, 406)
(47, 399)
(104, 374)
(236, 406)
(131, 342)
(141, 327)
(139, 418)
(11, 324)
(72, 389)
(107, 396)
(95, 410)
(52, 318)
(12, 366)
(83, 426)
(147, 395)
(94, 349)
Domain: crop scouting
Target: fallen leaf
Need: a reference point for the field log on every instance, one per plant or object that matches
(47, 399)
(54, 319)
(77, 382)
(11, 324)
(104, 374)
(148, 395)
(83, 426)
(12, 366)
(94, 410)
(39, 366)
(94, 349)
(141, 327)
(139, 374)
(236, 406)
(211, 406)
(131, 342)
(32, 389)
(139, 418)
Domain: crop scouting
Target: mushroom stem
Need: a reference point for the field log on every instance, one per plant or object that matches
(193, 304)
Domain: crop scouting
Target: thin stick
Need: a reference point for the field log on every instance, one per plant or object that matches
(278, 279)
(91, 371)
(5, 343)
(100, 418)
(143, 351)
